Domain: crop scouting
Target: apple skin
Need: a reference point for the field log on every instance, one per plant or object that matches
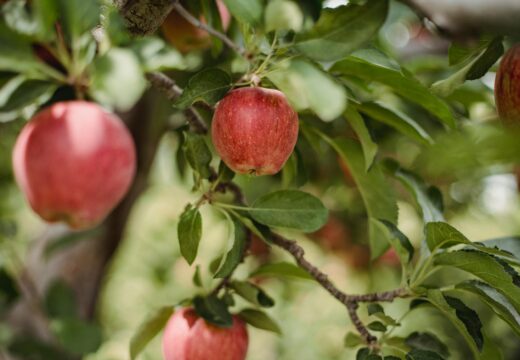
(254, 130)
(507, 87)
(189, 337)
(185, 37)
(74, 162)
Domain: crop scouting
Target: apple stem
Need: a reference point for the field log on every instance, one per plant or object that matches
(197, 23)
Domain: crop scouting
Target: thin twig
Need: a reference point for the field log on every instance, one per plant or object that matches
(197, 23)
(350, 301)
(172, 91)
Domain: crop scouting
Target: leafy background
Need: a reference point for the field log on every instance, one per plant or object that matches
(422, 108)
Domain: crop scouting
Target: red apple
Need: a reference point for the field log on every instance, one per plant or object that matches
(74, 162)
(189, 337)
(254, 130)
(507, 87)
(186, 37)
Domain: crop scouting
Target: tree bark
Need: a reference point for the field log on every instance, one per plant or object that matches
(143, 17)
(470, 18)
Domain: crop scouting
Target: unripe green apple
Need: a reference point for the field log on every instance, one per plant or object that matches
(185, 37)
(74, 162)
(507, 87)
(189, 337)
(254, 130)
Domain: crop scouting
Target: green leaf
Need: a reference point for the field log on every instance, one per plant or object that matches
(491, 350)
(197, 280)
(309, 87)
(189, 232)
(429, 200)
(16, 54)
(77, 336)
(417, 354)
(290, 209)
(213, 310)
(474, 69)
(197, 153)
(260, 320)
(427, 341)
(358, 124)
(377, 326)
(78, 17)
(377, 194)
(377, 311)
(252, 293)
(225, 174)
(256, 228)
(26, 99)
(283, 15)
(149, 329)
(8, 290)
(400, 242)
(374, 309)
(117, 79)
(353, 340)
(508, 244)
(495, 300)
(341, 30)
(234, 255)
(462, 317)
(18, 18)
(60, 301)
(246, 11)
(396, 119)
(9, 85)
(440, 235)
(208, 86)
(486, 267)
(282, 269)
(403, 84)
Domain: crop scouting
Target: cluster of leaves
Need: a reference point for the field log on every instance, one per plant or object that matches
(334, 70)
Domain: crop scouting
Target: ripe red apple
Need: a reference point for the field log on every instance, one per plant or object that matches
(186, 37)
(74, 162)
(189, 337)
(507, 87)
(254, 130)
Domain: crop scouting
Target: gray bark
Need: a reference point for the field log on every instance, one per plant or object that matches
(469, 18)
